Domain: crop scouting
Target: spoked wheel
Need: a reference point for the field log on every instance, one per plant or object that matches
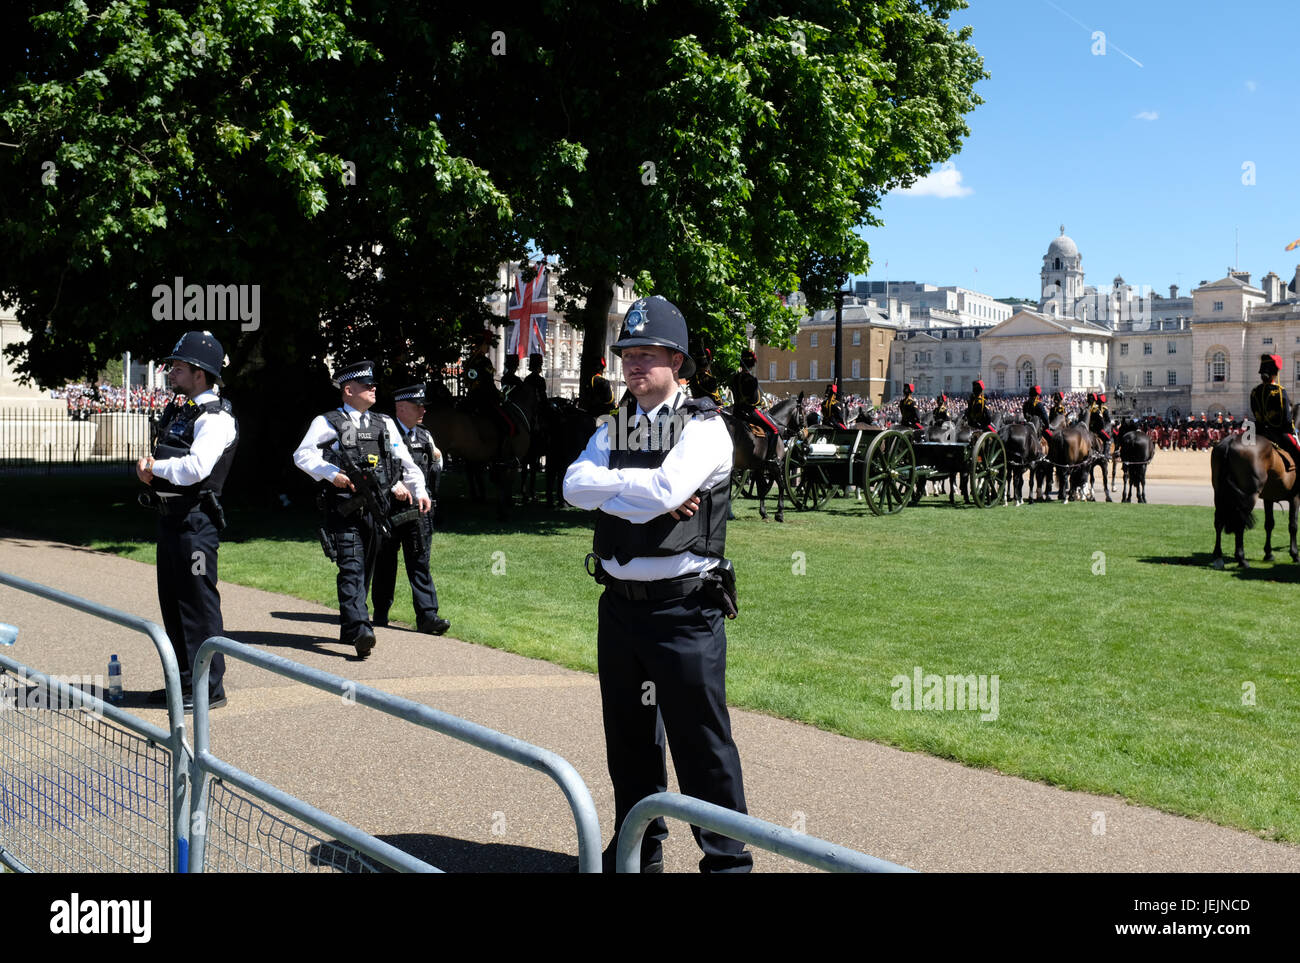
(739, 482)
(988, 470)
(888, 473)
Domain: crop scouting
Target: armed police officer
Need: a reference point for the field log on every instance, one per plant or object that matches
(1271, 407)
(192, 455)
(662, 494)
(413, 534)
(360, 460)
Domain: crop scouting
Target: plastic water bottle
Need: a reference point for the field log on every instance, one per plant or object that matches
(8, 633)
(114, 680)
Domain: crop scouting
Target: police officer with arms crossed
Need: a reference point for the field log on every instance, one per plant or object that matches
(192, 455)
(415, 536)
(659, 542)
(350, 531)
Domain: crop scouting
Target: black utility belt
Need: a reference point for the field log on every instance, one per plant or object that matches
(169, 505)
(657, 591)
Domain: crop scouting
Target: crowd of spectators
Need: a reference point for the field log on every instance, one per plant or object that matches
(85, 399)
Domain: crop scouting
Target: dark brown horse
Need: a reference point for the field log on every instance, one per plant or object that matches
(762, 454)
(483, 440)
(1069, 451)
(1135, 451)
(1240, 473)
(1025, 449)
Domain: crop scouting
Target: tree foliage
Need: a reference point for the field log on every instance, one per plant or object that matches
(369, 163)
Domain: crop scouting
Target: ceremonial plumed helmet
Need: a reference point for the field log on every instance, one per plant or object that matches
(512, 362)
(363, 371)
(978, 385)
(1037, 391)
(655, 320)
(1102, 398)
(908, 388)
(202, 350)
(534, 362)
(748, 358)
(1270, 363)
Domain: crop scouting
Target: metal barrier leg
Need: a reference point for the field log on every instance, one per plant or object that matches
(756, 832)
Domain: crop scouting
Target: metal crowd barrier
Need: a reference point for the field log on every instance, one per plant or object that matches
(756, 832)
(206, 765)
(91, 790)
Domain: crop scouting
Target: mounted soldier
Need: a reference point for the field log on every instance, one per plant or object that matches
(600, 400)
(1098, 418)
(909, 415)
(940, 413)
(832, 407)
(978, 416)
(1035, 412)
(704, 383)
(1270, 406)
(747, 395)
(534, 379)
(510, 380)
(1058, 407)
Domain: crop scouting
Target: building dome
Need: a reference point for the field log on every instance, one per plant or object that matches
(1062, 246)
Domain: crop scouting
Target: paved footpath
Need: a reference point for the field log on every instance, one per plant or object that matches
(465, 810)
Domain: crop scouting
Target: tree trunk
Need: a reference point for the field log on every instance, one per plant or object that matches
(595, 322)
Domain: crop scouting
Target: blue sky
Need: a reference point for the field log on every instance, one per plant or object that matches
(1142, 164)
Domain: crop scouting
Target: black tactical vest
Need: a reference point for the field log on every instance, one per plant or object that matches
(368, 446)
(420, 444)
(704, 533)
(176, 435)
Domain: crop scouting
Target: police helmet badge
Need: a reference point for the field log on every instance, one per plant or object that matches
(636, 319)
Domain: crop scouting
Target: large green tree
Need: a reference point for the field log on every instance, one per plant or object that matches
(719, 153)
(368, 163)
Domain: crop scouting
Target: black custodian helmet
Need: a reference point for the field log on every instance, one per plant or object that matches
(655, 320)
(202, 350)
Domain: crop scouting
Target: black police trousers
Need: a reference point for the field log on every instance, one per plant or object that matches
(414, 540)
(356, 546)
(186, 566)
(663, 669)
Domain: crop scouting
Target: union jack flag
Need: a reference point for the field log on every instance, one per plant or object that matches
(529, 304)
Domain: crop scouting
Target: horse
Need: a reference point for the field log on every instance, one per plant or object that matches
(1136, 450)
(1025, 449)
(483, 440)
(1069, 451)
(1240, 473)
(762, 454)
(567, 429)
(1099, 458)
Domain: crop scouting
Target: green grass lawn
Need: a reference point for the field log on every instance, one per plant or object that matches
(1133, 680)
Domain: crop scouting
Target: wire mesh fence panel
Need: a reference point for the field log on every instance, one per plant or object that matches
(80, 794)
(245, 835)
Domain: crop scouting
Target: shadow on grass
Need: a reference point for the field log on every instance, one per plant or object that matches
(1283, 570)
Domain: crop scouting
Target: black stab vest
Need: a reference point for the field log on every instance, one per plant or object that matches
(704, 533)
(421, 448)
(176, 436)
(370, 446)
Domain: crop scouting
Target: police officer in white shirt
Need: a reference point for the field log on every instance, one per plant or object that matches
(192, 455)
(659, 474)
(350, 534)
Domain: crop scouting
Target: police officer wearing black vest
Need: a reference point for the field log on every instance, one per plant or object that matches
(415, 536)
(192, 455)
(350, 535)
(661, 488)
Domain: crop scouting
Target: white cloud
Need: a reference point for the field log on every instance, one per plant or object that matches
(1146, 115)
(1251, 85)
(945, 182)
